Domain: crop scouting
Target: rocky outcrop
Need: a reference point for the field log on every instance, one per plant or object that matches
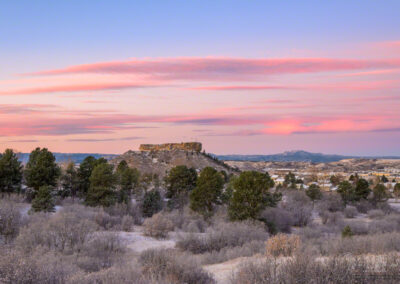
(186, 146)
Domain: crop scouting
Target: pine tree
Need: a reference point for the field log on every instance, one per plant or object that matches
(314, 192)
(207, 192)
(102, 186)
(41, 169)
(152, 203)
(250, 196)
(43, 200)
(347, 232)
(10, 172)
(179, 182)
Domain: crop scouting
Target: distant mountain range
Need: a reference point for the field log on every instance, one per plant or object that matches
(288, 156)
(296, 156)
(65, 157)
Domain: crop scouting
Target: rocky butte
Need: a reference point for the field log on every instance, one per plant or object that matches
(158, 159)
(185, 146)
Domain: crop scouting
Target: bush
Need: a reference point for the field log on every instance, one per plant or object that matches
(122, 209)
(299, 205)
(347, 232)
(376, 214)
(123, 274)
(282, 245)
(186, 220)
(350, 212)
(331, 202)
(172, 267)
(278, 220)
(363, 206)
(248, 249)
(331, 218)
(101, 251)
(157, 226)
(223, 235)
(304, 269)
(127, 223)
(64, 232)
(10, 220)
(37, 267)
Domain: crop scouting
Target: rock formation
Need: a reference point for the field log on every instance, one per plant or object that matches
(159, 159)
(185, 146)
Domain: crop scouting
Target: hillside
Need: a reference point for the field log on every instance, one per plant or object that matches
(160, 162)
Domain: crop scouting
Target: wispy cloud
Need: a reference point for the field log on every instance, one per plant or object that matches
(104, 139)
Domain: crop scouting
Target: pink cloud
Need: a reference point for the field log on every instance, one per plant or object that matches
(100, 86)
(238, 88)
(208, 67)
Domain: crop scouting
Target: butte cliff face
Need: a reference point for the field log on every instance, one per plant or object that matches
(159, 159)
(185, 146)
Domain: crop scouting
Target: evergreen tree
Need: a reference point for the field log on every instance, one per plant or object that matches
(127, 179)
(10, 172)
(41, 169)
(379, 193)
(346, 191)
(207, 192)
(152, 203)
(384, 179)
(102, 186)
(361, 190)
(290, 181)
(314, 192)
(69, 181)
(85, 171)
(43, 200)
(250, 196)
(179, 182)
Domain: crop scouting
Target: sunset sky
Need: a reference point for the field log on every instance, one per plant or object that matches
(242, 77)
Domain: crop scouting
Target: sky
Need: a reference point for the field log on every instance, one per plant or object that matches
(242, 77)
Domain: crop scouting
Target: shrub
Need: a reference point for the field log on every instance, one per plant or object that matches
(299, 205)
(227, 253)
(350, 212)
(172, 267)
(157, 226)
(376, 214)
(347, 232)
(127, 223)
(304, 269)
(10, 220)
(101, 251)
(282, 245)
(186, 220)
(64, 232)
(123, 274)
(38, 267)
(223, 235)
(363, 206)
(331, 218)
(331, 202)
(278, 220)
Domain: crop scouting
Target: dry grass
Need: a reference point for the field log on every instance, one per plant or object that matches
(282, 245)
